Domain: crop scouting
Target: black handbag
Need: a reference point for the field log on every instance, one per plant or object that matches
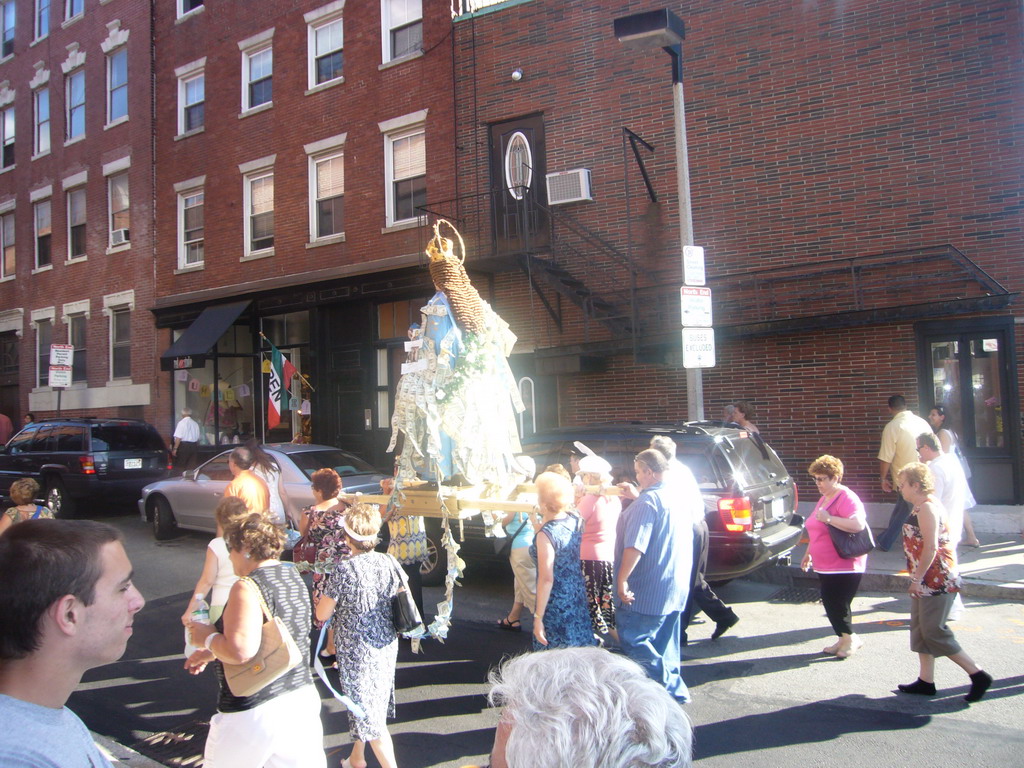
(404, 613)
(851, 545)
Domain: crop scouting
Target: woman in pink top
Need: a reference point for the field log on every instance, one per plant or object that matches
(600, 513)
(839, 577)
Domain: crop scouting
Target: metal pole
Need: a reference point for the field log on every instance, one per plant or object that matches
(694, 379)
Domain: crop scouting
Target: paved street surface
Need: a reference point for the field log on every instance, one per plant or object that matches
(763, 695)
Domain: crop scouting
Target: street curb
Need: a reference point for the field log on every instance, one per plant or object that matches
(792, 576)
(121, 756)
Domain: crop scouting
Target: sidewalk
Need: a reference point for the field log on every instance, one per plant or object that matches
(121, 756)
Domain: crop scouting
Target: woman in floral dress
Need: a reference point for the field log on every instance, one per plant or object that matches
(358, 596)
(561, 619)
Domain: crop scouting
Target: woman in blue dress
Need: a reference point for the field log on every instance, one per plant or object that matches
(561, 619)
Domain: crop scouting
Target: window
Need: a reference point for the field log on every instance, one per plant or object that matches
(73, 8)
(7, 46)
(405, 164)
(117, 85)
(76, 223)
(76, 104)
(258, 72)
(192, 100)
(121, 343)
(403, 28)
(77, 326)
(326, 41)
(42, 227)
(7, 136)
(187, 6)
(119, 212)
(190, 225)
(329, 181)
(42, 121)
(44, 337)
(7, 264)
(259, 193)
(42, 18)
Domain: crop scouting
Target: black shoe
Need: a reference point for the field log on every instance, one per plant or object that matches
(722, 627)
(980, 681)
(920, 687)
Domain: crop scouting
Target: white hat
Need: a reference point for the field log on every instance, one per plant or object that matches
(595, 465)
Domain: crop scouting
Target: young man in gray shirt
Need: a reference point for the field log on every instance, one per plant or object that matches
(68, 603)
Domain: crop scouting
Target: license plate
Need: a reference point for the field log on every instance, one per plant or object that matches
(133, 463)
(779, 508)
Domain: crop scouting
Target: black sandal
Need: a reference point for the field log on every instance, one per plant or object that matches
(510, 626)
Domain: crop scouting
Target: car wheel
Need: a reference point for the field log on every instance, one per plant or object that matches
(163, 519)
(432, 570)
(57, 499)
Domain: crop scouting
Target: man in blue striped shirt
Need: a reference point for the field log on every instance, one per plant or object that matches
(653, 559)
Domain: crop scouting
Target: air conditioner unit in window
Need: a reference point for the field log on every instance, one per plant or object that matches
(119, 237)
(569, 186)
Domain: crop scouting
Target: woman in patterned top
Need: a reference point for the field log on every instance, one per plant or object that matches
(358, 597)
(934, 580)
(23, 493)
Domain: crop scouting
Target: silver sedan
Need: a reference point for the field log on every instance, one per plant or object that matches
(189, 501)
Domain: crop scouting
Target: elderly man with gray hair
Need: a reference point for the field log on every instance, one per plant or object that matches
(186, 441)
(585, 707)
(653, 560)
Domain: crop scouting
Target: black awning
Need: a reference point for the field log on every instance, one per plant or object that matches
(194, 345)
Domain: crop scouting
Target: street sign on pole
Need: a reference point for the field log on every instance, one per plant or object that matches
(60, 376)
(695, 304)
(698, 347)
(693, 265)
(61, 354)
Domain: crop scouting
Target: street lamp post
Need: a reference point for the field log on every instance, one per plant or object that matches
(663, 29)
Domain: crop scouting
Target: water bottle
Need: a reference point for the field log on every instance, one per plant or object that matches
(200, 615)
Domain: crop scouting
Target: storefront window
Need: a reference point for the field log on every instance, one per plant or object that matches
(290, 334)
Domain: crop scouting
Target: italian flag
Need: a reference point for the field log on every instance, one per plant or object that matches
(281, 371)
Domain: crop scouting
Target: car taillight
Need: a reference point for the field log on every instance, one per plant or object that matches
(735, 514)
(88, 465)
(170, 465)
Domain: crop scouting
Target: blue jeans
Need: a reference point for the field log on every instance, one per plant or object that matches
(653, 643)
(894, 531)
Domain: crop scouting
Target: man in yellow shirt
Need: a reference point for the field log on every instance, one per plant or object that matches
(899, 448)
(247, 485)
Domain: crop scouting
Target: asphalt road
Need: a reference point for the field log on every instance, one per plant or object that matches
(763, 695)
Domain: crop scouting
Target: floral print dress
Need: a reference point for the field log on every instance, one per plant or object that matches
(566, 618)
(943, 575)
(325, 531)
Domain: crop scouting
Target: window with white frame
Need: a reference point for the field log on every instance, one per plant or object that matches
(42, 19)
(120, 343)
(191, 207)
(41, 216)
(191, 103)
(77, 335)
(41, 132)
(120, 215)
(259, 204)
(402, 22)
(187, 6)
(329, 195)
(76, 223)
(73, 8)
(257, 78)
(117, 85)
(9, 20)
(7, 137)
(44, 338)
(326, 54)
(405, 166)
(75, 101)
(7, 263)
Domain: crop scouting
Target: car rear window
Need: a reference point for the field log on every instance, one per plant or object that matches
(340, 461)
(125, 437)
(754, 462)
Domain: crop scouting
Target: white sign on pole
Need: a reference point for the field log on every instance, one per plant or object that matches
(60, 376)
(61, 354)
(695, 304)
(693, 265)
(698, 347)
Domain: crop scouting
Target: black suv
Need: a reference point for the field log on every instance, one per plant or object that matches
(82, 459)
(749, 497)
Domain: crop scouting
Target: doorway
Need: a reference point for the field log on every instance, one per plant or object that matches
(970, 367)
(518, 171)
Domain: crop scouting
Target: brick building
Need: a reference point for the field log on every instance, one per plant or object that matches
(294, 147)
(856, 182)
(75, 203)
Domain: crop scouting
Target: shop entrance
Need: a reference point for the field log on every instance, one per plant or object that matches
(970, 368)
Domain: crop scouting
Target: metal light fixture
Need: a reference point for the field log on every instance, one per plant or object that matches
(517, 74)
